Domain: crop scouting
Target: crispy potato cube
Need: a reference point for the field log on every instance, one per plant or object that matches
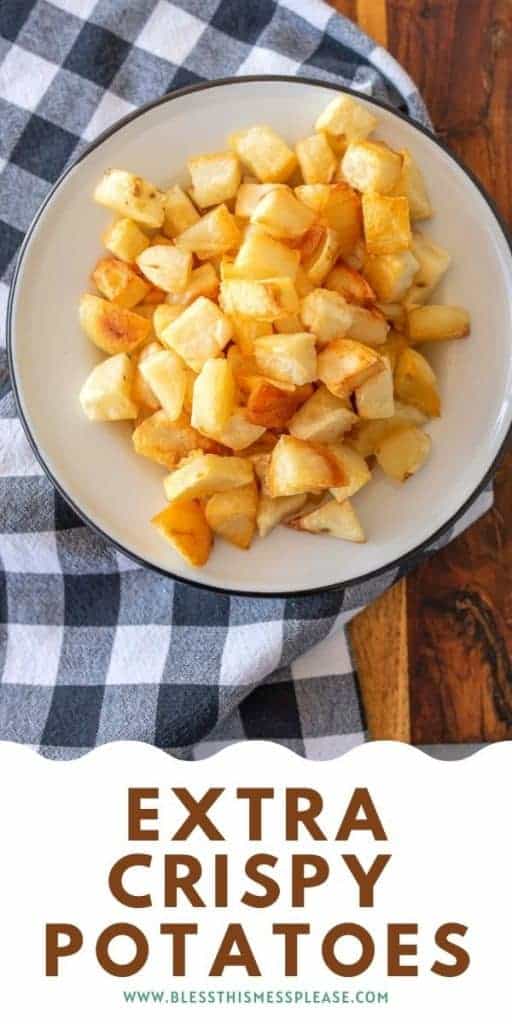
(266, 299)
(167, 441)
(180, 212)
(326, 314)
(266, 155)
(240, 432)
(355, 469)
(272, 511)
(248, 197)
(367, 434)
(201, 475)
(437, 323)
(215, 233)
(337, 520)
(269, 405)
(374, 398)
(316, 159)
(297, 466)
(391, 276)
(261, 256)
(344, 365)
(287, 357)
(213, 401)
(320, 261)
(245, 332)
(394, 312)
(183, 524)
(368, 326)
(416, 383)
(202, 281)
(282, 215)
(215, 177)
(165, 373)
(165, 314)
(339, 206)
(395, 344)
(433, 262)
(107, 392)
(403, 453)
(112, 328)
(387, 227)
(166, 266)
(232, 515)
(350, 284)
(132, 197)
(371, 167)
(410, 184)
(291, 324)
(119, 283)
(199, 333)
(323, 418)
(345, 116)
(125, 239)
(142, 393)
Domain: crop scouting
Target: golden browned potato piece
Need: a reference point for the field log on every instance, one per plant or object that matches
(213, 400)
(107, 392)
(411, 184)
(344, 116)
(323, 418)
(199, 333)
(119, 283)
(403, 453)
(215, 177)
(416, 382)
(433, 262)
(336, 520)
(183, 524)
(287, 357)
(166, 266)
(269, 405)
(387, 227)
(320, 252)
(269, 299)
(266, 155)
(339, 207)
(112, 328)
(326, 314)
(437, 323)
(232, 514)
(167, 441)
(371, 167)
(368, 326)
(245, 332)
(142, 393)
(165, 374)
(272, 511)
(391, 276)
(201, 475)
(282, 215)
(125, 239)
(239, 432)
(249, 195)
(350, 284)
(261, 256)
(132, 197)
(367, 434)
(180, 212)
(374, 399)
(355, 469)
(317, 161)
(297, 466)
(344, 365)
(215, 233)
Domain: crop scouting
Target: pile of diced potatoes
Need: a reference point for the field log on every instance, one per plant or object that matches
(263, 325)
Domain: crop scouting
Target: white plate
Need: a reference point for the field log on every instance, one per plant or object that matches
(93, 464)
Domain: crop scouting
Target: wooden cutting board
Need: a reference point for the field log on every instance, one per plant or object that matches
(434, 654)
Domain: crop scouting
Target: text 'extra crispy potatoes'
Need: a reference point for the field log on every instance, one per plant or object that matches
(260, 322)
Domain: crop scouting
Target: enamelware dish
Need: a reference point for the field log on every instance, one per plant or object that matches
(117, 492)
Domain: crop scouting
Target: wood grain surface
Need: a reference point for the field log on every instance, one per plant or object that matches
(446, 635)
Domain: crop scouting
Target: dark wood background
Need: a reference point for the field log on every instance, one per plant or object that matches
(435, 656)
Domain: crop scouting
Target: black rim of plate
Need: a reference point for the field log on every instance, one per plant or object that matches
(408, 556)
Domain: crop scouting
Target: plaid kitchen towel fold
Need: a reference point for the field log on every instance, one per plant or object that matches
(94, 648)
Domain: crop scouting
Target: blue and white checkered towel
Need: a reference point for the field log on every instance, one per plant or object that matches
(92, 647)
